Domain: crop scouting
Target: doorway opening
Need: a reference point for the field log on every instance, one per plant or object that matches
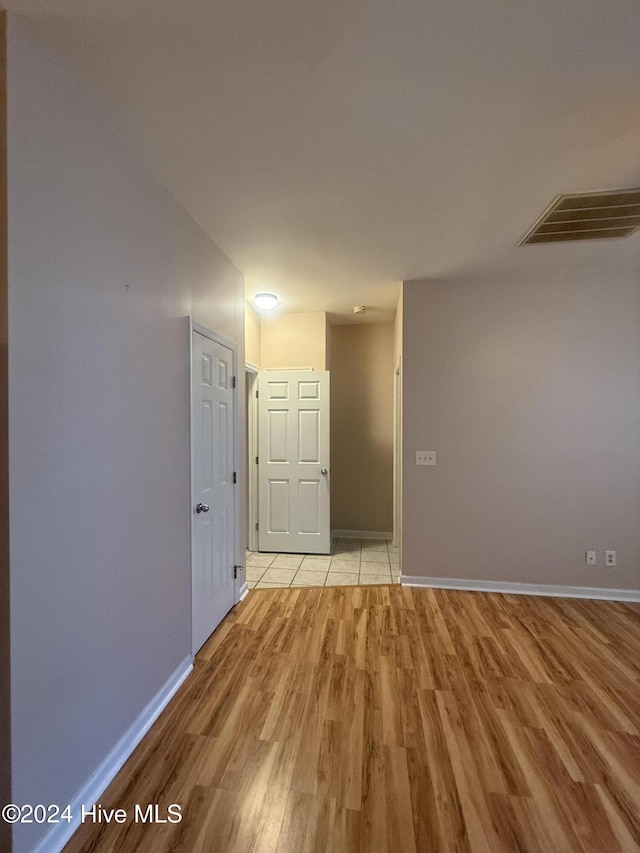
(364, 451)
(362, 359)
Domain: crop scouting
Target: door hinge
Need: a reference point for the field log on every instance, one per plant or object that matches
(235, 477)
(235, 571)
(257, 457)
(257, 525)
(233, 382)
(257, 395)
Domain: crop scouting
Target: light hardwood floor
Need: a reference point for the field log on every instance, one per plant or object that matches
(394, 720)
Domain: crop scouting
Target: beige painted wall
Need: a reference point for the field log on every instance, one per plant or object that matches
(362, 427)
(529, 391)
(252, 335)
(294, 340)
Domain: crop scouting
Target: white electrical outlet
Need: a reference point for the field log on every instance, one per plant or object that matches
(610, 558)
(590, 558)
(425, 457)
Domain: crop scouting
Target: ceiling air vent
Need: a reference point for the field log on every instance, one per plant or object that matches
(587, 216)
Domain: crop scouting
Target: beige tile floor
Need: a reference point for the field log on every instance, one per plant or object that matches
(352, 562)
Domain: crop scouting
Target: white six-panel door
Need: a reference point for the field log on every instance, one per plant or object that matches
(212, 499)
(293, 452)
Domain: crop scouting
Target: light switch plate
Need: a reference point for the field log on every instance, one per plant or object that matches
(425, 457)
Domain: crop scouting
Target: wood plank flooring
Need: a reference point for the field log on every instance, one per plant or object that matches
(396, 720)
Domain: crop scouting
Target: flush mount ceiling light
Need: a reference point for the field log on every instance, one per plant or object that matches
(265, 300)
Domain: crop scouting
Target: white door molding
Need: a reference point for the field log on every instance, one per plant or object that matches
(251, 379)
(397, 455)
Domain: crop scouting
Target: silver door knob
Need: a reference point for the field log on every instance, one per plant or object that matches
(202, 507)
(324, 471)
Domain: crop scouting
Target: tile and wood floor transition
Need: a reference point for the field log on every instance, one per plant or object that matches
(385, 719)
(351, 562)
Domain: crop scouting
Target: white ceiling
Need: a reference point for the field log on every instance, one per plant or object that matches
(333, 148)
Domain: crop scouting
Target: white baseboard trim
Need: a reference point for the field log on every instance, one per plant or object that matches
(553, 590)
(242, 594)
(88, 795)
(360, 534)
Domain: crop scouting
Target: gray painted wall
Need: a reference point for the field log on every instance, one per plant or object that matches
(5, 681)
(529, 391)
(103, 268)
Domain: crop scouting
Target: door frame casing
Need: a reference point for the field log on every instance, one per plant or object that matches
(397, 455)
(216, 337)
(252, 451)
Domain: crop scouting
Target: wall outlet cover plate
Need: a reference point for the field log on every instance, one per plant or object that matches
(425, 457)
